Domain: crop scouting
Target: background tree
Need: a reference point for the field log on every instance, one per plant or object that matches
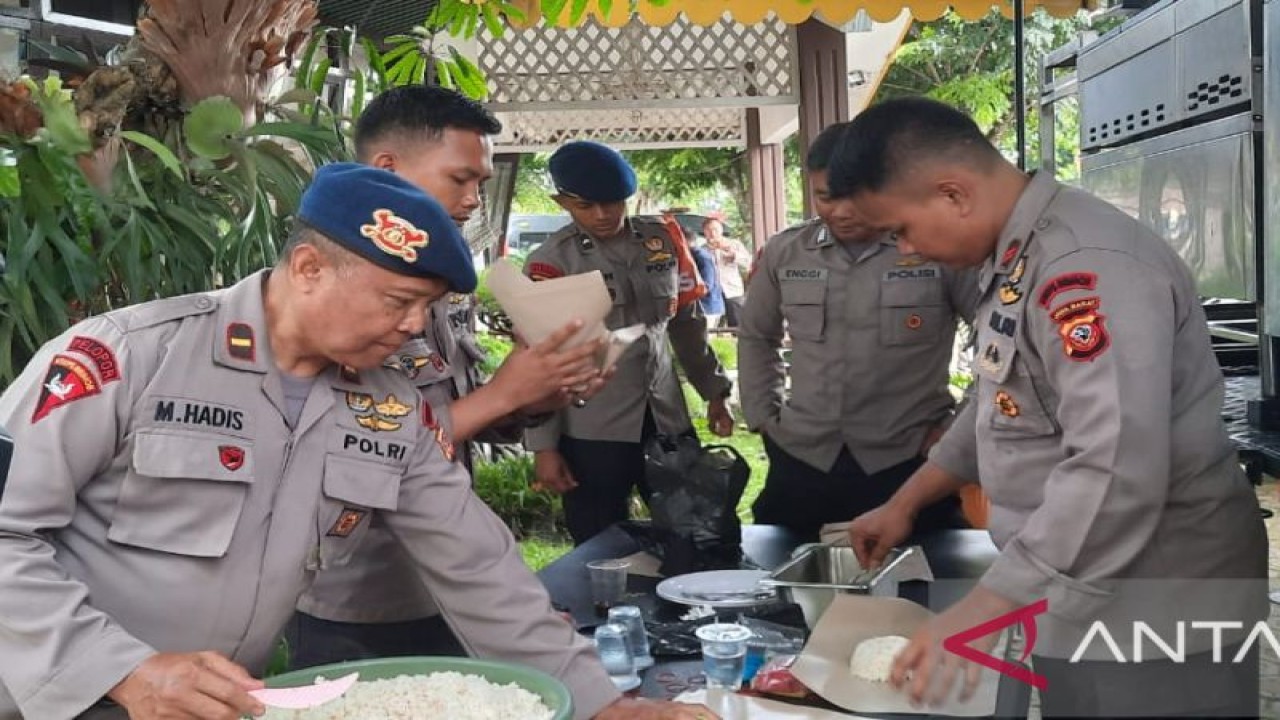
(970, 64)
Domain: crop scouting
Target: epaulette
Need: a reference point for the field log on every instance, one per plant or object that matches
(159, 312)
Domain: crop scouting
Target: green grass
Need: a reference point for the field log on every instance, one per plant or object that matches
(541, 552)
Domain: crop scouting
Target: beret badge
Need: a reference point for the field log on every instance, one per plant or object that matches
(394, 235)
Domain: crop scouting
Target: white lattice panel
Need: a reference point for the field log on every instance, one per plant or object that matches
(537, 131)
(638, 65)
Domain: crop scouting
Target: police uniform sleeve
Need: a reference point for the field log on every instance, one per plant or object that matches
(761, 373)
(469, 561)
(688, 333)
(1103, 325)
(66, 413)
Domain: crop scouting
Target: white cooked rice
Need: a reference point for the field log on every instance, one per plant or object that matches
(873, 658)
(442, 695)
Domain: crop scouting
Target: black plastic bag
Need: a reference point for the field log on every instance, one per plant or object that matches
(694, 499)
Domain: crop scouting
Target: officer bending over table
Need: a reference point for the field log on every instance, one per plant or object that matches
(183, 468)
(872, 333)
(1116, 495)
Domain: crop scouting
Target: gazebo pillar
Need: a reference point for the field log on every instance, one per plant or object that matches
(767, 182)
(824, 84)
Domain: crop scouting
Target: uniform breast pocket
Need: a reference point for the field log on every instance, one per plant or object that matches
(184, 493)
(804, 305)
(913, 312)
(1015, 404)
(353, 491)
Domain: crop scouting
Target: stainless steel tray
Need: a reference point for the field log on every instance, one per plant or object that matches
(812, 578)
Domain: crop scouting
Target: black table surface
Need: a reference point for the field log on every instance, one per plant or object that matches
(957, 558)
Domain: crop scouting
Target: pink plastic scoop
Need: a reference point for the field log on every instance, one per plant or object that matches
(306, 696)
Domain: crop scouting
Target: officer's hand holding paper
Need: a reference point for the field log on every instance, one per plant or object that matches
(538, 309)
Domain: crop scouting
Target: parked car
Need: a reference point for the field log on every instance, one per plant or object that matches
(526, 232)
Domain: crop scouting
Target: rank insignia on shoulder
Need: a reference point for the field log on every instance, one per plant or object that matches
(240, 344)
(347, 522)
(66, 381)
(1006, 404)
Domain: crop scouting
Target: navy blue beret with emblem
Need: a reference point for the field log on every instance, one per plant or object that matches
(592, 171)
(388, 221)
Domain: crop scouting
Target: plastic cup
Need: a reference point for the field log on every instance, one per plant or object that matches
(631, 617)
(724, 654)
(615, 655)
(608, 583)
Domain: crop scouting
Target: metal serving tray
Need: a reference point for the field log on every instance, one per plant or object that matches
(812, 578)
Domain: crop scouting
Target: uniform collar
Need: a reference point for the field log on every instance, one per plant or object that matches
(1020, 228)
(242, 341)
(818, 237)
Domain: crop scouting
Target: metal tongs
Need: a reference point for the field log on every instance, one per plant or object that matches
(869, 577)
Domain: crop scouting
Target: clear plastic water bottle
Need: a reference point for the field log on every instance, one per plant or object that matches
(615, 655)
(631, 617)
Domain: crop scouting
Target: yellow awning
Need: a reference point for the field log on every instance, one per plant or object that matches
(706, 12)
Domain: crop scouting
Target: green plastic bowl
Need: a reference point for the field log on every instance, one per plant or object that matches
(553, 692)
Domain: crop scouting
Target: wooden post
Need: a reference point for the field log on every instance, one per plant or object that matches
(824, 84)
(768, 186)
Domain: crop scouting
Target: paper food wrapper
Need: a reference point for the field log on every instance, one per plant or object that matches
(538, 309)
(732, 706)
(823, 666)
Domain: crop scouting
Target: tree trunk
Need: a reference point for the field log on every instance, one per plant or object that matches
(226, 47)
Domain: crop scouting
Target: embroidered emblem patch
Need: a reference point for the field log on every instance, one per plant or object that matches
(990, 359)
(910, 261)
(437, 430)
(1082, 328)
(658, 257)
(653, 244)
(349, 374)
(103, 359)
(1008, 407)
(411, 365)
(544, 271)
(66, 381)
(394, 235)
(1015, 275)
(347, 522)
(1066, 281)
(231, 457)
(240, 344)
(914, 321)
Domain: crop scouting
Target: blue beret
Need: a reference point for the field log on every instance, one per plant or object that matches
(388, 221)
(592, 171)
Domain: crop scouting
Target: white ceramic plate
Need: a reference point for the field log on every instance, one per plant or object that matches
(717, 588)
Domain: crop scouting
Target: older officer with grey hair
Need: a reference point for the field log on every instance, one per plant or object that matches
(184, 466)
(594, 453)
(872, 332)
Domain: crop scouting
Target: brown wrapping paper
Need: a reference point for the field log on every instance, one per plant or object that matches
(732, 706)
(824, 665)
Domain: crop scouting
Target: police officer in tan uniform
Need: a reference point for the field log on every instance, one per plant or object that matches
(440, 141)
(184, 467)
(593, 453)
(872, 333)
(1116, 496)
